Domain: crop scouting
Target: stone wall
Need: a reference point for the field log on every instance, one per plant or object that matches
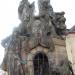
(5, 73)
(56, 58)
(70, 47)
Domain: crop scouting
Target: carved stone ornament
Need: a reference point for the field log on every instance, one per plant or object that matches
(37, 37)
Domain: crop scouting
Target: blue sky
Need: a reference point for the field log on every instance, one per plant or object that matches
(9, 16)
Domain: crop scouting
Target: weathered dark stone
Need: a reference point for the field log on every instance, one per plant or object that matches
(36, 34)
(25, 10)
(59, 23)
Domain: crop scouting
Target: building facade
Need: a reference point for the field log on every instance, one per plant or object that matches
(37, 46)
(70, 46)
